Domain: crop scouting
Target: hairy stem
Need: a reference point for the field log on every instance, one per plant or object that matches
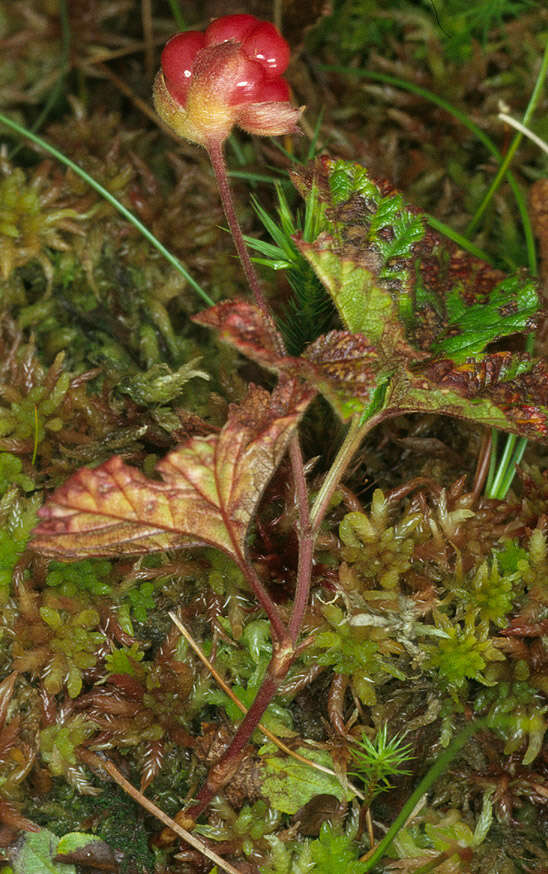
(306, 540)
(216, 156)
(224, 770)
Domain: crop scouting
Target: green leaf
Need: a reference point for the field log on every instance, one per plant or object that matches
(418, 313)
(362, 303)
(508, 309)
(87, 850)
(35, 852)
(335, 852)
(289, 784)
(449, 301)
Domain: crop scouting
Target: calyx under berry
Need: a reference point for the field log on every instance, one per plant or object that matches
(229, 74)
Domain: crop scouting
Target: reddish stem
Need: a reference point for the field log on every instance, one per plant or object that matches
(306, 539)
(279, 631)
(220, 774)
(283, 646)
(482, 465)
(216, 156)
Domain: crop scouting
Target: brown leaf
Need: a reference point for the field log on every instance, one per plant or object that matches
(152, 764)
(10, 816)
(6, 691)
(244, 325)
(209, 490)
(96, 854)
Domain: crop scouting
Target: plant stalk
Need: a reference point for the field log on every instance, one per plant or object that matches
(216, 156)
(354, 436)
(224, 770)
(284, 640)
(306, 542)
(279, 631)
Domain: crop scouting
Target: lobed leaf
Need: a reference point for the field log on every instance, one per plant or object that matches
(448, 301)
(209, 488)
(505, 390)
(418, 313)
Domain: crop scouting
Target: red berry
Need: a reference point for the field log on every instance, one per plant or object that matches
(177, 60)
(265, 45)
(231, 74)
(235, 27)
(250, 84)
(274, 90)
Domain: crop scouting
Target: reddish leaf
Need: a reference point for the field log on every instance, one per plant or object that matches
(418, 312)
(502, 389)
(10, 816)
(209, 490)
(244, 325)
(152, 764)
(6, 691)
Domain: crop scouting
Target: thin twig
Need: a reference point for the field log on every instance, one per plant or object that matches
(275, 740)
(163, 817)
(370, 832)
(482, 465)
(513, 122)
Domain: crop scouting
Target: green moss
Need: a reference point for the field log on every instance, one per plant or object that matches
(509, 556)
(124, 660)
(11, 473)
(58, 637)
(487, 593)
(335, 852)
(377, 552)
(30, 220)
(17, 519)
(29, 412)
(436, 832)
(517, 713)
(532, 569)
(89, 575)
(461, 652)
(247, 828)
(357, 650)
(58, 744)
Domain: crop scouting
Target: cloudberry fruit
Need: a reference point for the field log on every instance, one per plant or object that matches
(230, 74)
